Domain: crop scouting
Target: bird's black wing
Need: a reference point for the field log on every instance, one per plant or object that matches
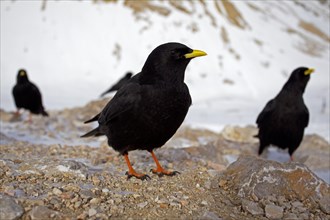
(305, 117)
(36, 92)
(124, 100)
(266, 112)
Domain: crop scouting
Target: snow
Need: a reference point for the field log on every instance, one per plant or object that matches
(68, 51)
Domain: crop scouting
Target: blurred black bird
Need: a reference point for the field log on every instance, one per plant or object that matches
(147, 111)
(27, 95)
(283, 120)
(119, 84)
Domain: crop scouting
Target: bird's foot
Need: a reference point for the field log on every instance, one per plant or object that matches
(137, 175)
(162, 172)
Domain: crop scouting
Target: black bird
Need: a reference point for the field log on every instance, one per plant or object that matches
(283, 120)
(27, 95)
(119, 84)
(147, 111)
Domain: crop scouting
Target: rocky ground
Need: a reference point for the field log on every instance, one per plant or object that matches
(48, 172)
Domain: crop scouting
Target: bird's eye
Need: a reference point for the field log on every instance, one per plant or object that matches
(177, 54)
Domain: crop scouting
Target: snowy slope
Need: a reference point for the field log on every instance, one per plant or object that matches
(74, 50)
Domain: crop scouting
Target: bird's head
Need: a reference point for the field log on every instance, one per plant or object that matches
(170, 60)
(22, 76)
(300, 77)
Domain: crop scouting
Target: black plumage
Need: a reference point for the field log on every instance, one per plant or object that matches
(119, 84)
(283, 120)
(27, 95)
(147, 111)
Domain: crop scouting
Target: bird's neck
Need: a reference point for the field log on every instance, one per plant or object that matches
(174, 75)
(297, 88)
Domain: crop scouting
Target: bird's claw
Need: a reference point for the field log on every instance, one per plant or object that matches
(164, 172)
(138, 176)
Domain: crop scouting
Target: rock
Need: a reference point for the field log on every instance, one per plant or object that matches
(204, 203)
(240, 134)
(304, 216)
(273, 212)
(290, 216)
(209, 216)
(57, 191)
(255, 176)
(86, 194)
(252, 207)
(142, 205)
(9, 208)
(96, 180)
(42, 212)
(296, 204)
(92, 212)
(95, 201)
(325, 205)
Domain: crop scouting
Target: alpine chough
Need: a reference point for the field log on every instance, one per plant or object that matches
(283, 120)
(27, 95)
(119, 84)
(147, 111)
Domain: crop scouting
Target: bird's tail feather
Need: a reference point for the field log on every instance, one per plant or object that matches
(95, 132)
(95, 118)
(44, 113)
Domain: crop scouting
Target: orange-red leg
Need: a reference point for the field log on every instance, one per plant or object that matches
(131, 172)
(160, 171)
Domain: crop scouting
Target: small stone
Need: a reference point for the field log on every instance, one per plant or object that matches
(175, 204)
(204, 203)
(96, 180)
(274, 211)
(118, 201)
(197, 185)
(86, 194)
(94, 201)
(304, 216)
(301, 209)
(42, 212)
(297, 204)
(150, 188)
(184, 202)
(281, 200)
(210, 216)
(135, 196)
(163, 205)
(252, 207)
(92, 212)
(212, 172)
(271, 198)
(222, 183)
(290, 216)
(9, 208)
(142, 205)
(105, 190)
(77, 204)
(325, 205)
(57, 191)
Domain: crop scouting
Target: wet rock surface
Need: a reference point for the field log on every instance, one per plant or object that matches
(48, 172)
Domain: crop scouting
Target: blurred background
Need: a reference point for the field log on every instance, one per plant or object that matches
(74, 50)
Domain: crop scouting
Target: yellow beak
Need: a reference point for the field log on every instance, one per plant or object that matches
(309, 71)
(195, 53)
